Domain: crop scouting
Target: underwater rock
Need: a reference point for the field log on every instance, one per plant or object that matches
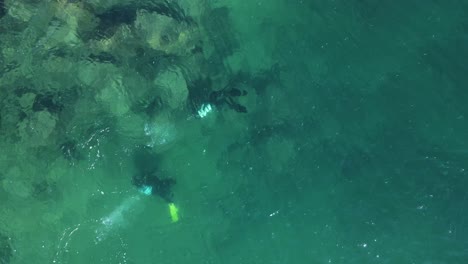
(218, 28)
(172, 88)
(116, 48)
(17, 188)
(114, 14)
(90, 74)
(130, 127)
(47, 102)
(114, 96)
(59, 34)
(36, 129)
(26, 101)
(16, 184)
(71, 18)
(20, 11)
(114, 17)
(44, 191)
(165, 34)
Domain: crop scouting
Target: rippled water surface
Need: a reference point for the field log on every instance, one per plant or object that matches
(267, 131)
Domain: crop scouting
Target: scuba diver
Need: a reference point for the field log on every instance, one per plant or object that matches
(202, 96)
(149, 179)
(152, 183)
(226, 97)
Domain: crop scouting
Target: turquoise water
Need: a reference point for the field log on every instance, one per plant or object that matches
(353, 148)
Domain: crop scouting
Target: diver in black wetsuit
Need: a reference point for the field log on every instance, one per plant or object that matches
(226, 96)
(201, 92)
(159, 187)
(149, 175)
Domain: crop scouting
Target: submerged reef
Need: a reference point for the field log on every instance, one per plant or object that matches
(75, 70)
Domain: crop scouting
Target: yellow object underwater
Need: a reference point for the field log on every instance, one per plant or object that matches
(173, 212)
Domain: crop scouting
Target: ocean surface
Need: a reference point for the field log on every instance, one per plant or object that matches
(243, 132)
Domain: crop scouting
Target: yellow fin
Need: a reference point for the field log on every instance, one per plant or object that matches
(173, 212)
